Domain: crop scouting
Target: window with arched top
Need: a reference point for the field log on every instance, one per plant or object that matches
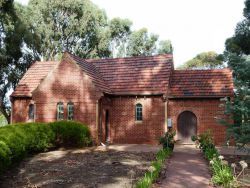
(60, 111)
(70, 109)
(138, 112)
(31, 112)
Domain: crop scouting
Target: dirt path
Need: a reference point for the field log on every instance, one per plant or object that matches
(79, 168)
(186, 169)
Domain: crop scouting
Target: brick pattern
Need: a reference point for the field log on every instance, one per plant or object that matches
(84, 82)
(92, 72)
(67, 83)
(20, 109)
(124, 128)
(206, 110)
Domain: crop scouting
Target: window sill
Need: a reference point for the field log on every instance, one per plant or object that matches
(138, 122)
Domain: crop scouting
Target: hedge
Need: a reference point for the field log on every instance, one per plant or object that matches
(18, 140)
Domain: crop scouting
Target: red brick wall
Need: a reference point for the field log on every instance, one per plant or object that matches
(205, 110)
(20, 109)
(124, 128)
(67, 83)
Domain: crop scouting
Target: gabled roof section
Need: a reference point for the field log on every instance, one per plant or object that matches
(32, 78)
(136, 75)
(202, 83)
(90, 70)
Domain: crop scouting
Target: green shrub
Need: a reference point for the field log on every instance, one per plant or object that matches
(206, 140)
(211, 152)
(167, 140)
(70, 133)
(18, 140)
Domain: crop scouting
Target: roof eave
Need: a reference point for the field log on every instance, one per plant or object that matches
(199, 97)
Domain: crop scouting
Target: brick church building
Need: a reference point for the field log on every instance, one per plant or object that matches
(124, 100)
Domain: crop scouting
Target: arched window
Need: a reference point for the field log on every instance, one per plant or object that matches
(138, 112)
(70, 108)
(60, 111)
(31, 111)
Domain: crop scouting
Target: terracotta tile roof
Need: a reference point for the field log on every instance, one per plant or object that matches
(32, 78)
(136, 75)
(93, 73)
(201, 83)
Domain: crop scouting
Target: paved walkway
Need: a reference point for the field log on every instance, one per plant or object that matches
(186, 168)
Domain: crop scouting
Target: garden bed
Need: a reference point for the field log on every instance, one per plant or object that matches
(79, 168)
(236, 159)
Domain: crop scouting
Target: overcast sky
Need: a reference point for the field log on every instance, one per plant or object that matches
(193, 26)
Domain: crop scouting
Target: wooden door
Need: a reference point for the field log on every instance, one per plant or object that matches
(186, 127)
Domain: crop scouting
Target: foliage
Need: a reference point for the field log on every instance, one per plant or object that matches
(204, 60)
(155, 169)
(206, 140)
(14, 60)
(167, 140)
(73, 26)
(141, 43)
(222, 173)
(18, 140)
(238, 59)
(119, 30)
(70, 133)
(3, 121)
(165, 47)
(240, 42)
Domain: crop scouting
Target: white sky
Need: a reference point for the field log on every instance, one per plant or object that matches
(193, 26)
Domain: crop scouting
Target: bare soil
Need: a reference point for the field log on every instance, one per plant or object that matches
(79, 168)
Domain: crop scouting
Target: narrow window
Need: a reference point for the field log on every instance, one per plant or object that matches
(31, 112)
(70, 108)
(60, 111)
(138, 112)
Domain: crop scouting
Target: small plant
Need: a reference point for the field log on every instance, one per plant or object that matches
(154, 170)
(167, 140)
(211, 152)
(222, 173)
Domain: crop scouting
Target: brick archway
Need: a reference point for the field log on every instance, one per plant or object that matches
(186, 126)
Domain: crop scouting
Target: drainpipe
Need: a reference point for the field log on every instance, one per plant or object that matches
(165, 99)
(97, 122)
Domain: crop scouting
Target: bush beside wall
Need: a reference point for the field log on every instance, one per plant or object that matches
(18, 140)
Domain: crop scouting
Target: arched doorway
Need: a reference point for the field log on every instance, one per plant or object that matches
(186, 127)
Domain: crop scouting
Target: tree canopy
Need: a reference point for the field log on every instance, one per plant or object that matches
(204, 60)
(237, 55)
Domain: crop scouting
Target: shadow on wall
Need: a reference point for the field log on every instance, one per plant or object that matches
(66, 84)
(125, 129)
